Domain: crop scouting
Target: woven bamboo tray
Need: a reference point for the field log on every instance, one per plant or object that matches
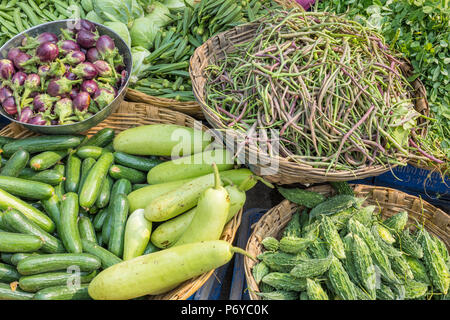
(390, 202)
(214, 49)
(128, 115)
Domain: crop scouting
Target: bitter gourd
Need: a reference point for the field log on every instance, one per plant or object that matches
(270, 243)
(278, 295)
(284, 281)
(384, 234)
(311, 268)
(259, 271)
(331, 236)
(418, 270)
(315, 290)
(342, 187)
(365, 269)
(294, 244)
(306, 198)
(280, 261)
(335, 204)
(342, 286)
(397, 222)
(293, 228)
(401, 267)
(415, 289)
(409, 245)
(384, 292)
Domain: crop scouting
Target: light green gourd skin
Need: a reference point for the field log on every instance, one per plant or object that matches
(137, 235)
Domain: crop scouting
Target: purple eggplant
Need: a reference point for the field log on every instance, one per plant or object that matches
(25, 115)
(89, 86)
(63, 109)
(18, 79)
(43, 71)
(42, 102)
(6, 69)
(38, 120)
(108, 51)
(20, 59)
(103, 68)
(83, 24)
(92, 55)
(69, 75)
(60, 86)
(74, 57)
(82, 101)
(5, 93)
(46, 52)
(103, 97)
(32, 84)
(12, 53)
(74, 92)
(32, 43)
(85, 70)
(65, 46)
(9, 105)
(86, 39)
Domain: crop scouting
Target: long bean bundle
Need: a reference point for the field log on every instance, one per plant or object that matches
(330, 87)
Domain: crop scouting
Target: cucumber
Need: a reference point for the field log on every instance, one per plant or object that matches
(41, 281)
(100, 219)
(50, 176)
(86, 166)
(16, 257)
(7, 294)
(51, 207)
(47, 159)
(105, 192)
(193, 166)
(60, 189)
(15, 220)
(106, 227)
(73, 173)
(121, 172)
(15, 164)
(119, 213)
(63, 293)
(58, 262)
(26, 188)
(42, 143)
(68, 227)
(86, 229)
(89, 152)
(8, 273)
(91, 187)
(136, 162)
(6, 257)
(101, 139)
(161, 140)
(139, 186)
(17, 242)
(106, 257)
(4, 140)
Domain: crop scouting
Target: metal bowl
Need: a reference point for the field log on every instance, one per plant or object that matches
(55, 27)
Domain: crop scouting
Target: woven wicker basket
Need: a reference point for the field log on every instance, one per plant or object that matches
(390, 202)
(288, 172)
(130, 114)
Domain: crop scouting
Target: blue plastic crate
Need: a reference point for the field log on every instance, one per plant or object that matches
(238, 290)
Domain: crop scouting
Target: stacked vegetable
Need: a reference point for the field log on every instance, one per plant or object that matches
(51, 80)
(90, 203)
(330, 87)
(420, 30)
(338, 249)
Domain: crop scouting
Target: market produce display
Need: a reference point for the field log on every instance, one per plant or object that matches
(330, 87)
(420, 30)
(336, 248)
(58, 80)
(64, 203)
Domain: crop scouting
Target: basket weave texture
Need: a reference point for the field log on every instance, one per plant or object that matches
(128, 115)
(390, 202)
(214, 49)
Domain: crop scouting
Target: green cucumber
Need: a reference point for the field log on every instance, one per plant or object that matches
(15, 220)
(16, 257)
(106, 227)
(68, 227)
(41, 281)
(7, 200)
(6, 257)
(15, 164)
(101, 139)
(135, 176)
(50, 176)
(139, 186)
(106, 257)
(119, 213)
(89, 152)
(60, 189)
(47, 159)
(105, 192)
(58, 262)
(73, 169)
(136, 162)
(8, 273)
(42, 143)
(51, 207)
(17, 242)
(6, 293)
(100, 219)
(4, 140)
(193, 166)
(26, 188)
(86, 229)
(92, 185)
(86, 166)
(63, 293)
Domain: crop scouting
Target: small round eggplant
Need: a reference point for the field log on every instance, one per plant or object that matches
(60, 86)
(82, 101)
(42, 102)
(103, 68)
(92, 55)
(85, 70)
(5, 93)
(6, 69)
(9, 104)
(38, 120)
(66, 46)
(25, 115)
(89, 86)
(74, 57)
(47, 52)
(86, 39)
